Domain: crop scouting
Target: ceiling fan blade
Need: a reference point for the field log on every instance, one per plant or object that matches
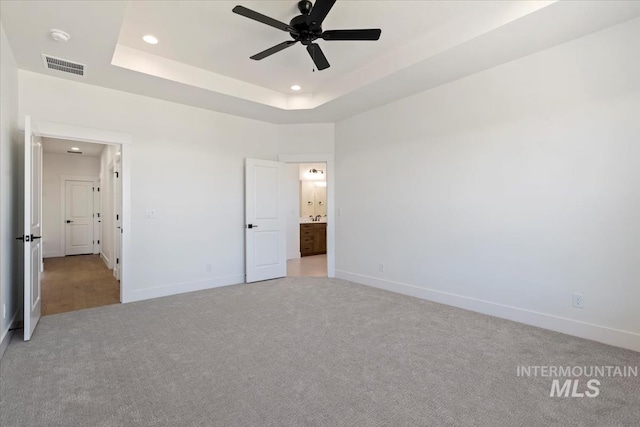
(319, 11)
(370, 34)
(317, 56)
(275, 49)
(251, 14)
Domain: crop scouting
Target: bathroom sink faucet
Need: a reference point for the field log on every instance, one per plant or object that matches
(318, 218)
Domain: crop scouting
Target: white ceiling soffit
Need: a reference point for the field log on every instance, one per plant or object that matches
(202, 58)
(63, 146)
(214, 56)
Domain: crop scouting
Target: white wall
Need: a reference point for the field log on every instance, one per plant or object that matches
(306, 138)
(53, 167)
(188, 164)
(506, 191)
(10, 249)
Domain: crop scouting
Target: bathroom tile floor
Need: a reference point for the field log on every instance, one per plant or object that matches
(308, 266)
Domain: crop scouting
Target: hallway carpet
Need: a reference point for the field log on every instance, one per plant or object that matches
(300, 352)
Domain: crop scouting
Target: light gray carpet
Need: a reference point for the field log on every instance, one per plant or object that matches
(299, 352)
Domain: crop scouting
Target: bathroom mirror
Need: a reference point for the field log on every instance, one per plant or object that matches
(313, 198)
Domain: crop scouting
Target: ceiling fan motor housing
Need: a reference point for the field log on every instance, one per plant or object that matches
(306, 33)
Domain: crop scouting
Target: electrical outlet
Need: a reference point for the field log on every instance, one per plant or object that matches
(381, 267)
(578, 300)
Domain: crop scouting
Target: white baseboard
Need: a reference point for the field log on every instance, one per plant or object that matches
(52, 254)
(8, 334)
(590, 331)
(181, 288)
(294, 255)
(105, 259)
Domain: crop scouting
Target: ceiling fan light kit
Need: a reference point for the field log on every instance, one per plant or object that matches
(306, 28)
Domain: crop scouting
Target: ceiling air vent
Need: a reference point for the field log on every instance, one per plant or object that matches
(53, 63)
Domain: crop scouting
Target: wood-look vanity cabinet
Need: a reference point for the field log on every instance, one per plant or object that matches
(313, 238)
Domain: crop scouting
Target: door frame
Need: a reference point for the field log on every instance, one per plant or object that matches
(63, 208)
(115, 170)
(125, 141)
(331, 218)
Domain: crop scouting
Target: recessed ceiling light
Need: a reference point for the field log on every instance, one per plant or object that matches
(150, 39)
(296, 87)
(75, 148)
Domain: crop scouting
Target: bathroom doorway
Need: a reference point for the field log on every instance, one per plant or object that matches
(307, 219)
(296, 263)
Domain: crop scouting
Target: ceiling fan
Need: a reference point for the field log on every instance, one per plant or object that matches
(306, 28)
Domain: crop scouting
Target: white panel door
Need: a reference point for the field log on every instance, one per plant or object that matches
(79, 217)
(32, 226)
(265, 233)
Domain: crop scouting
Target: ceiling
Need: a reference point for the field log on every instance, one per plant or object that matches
(202, 58)
(62, 146)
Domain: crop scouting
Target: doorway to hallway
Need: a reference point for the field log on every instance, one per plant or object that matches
(81, 211)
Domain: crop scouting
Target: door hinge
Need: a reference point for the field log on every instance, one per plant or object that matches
(117, 217)
(98, 214)
(93, 188)
(98, 189)
(117, 175)
(98, 241)
(93, 242)
(117, 260)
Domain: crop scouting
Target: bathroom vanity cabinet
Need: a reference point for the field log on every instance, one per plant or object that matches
(313, 238)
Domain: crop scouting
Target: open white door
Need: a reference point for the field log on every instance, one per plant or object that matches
(265, 233)
(32, 226)
(117, 204)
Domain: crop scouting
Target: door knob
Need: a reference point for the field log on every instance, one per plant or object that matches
(68, 221)
(35, 237)
(252, 226)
